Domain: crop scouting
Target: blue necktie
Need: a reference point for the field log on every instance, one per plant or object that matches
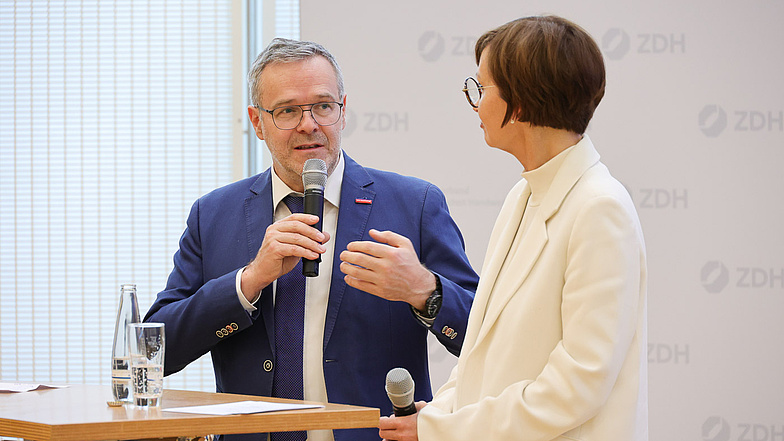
(289, 332)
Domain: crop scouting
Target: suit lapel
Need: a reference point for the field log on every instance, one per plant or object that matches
(523, 259)
(498, 247)
(520, 263)
(352, 226)
(499, 251)
(259, 214)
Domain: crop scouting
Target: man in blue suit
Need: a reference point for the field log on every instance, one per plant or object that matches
(402, 270)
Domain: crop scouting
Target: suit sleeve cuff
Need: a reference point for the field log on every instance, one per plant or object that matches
(248, 306)
(428, 322)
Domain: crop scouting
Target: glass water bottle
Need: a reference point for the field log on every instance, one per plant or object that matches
(127, 312)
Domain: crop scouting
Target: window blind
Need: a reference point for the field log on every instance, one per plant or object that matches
(114, 118)
(287, 18)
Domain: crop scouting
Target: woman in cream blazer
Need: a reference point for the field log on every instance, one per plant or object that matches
(556, 338)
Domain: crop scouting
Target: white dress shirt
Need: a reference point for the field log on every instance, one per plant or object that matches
(316, 290)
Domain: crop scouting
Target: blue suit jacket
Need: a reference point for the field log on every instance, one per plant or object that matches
(364, 336)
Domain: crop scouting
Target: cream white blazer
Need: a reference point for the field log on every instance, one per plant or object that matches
(555, 345)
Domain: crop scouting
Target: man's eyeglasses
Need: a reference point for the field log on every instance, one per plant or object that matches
(473, 91)
(289, 117)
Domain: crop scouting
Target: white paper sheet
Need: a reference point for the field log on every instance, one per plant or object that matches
(25, 387)
(241, 407)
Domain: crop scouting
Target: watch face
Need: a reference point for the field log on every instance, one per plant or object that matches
(433, 304)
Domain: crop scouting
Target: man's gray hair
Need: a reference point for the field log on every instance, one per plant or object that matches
(283, 50)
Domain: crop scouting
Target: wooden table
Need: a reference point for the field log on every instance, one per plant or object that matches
(80, 412)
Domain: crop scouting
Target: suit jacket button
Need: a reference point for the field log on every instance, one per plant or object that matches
(219, 333)
(449, 332)
(268, 365)
(234, 326)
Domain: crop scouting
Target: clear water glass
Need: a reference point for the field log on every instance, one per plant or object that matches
(146, 347)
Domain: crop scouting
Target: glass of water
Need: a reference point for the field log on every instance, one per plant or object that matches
(146, 345)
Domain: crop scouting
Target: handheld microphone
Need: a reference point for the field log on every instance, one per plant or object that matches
(400, 390)
(314, 179)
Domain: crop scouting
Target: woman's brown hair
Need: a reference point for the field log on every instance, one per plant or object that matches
(549, 71)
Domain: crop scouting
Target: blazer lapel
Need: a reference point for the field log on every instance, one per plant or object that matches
(520, 261)
(523, 259)
(258, 216)
(497, 250)
(352, 225)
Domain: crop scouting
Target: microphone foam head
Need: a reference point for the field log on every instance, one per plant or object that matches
(400, 387)
(314, 174)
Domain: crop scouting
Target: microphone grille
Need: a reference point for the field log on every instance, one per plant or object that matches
(399, 381)
(314, 174)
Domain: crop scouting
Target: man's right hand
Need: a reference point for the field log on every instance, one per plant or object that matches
(285, 242)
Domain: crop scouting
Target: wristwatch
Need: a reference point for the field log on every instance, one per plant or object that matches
(433, 303)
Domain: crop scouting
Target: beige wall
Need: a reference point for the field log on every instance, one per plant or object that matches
(692, 124)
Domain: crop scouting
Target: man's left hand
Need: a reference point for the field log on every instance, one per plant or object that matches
(388, 268)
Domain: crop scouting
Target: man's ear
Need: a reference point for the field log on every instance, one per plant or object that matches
(345, 114)
(255, 119)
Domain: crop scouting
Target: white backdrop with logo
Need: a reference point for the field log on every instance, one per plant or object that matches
(692, 124)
